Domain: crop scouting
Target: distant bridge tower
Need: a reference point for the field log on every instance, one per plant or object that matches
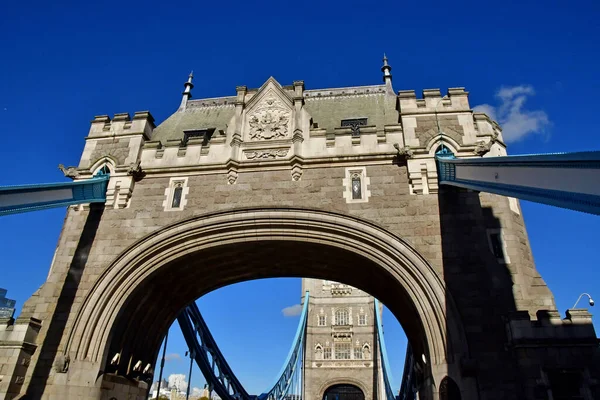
(341, 357)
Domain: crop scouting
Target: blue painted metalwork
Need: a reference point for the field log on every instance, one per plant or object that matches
(24, 198)
(289, 383)
(219, 375)
(208, 357)
(574, 200)
(389, 393)
(408, 387)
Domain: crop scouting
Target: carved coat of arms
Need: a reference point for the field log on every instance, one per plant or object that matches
(269, 121)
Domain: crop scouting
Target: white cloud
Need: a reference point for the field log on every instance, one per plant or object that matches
(172, 357)
(196, 391)
(292, 311)
(516, 122)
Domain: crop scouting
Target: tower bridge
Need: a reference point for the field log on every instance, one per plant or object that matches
(399, 197)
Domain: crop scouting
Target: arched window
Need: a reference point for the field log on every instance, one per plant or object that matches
(366, 351)
(342, 316)
(318, 352)
(104, 170)
(449, 390)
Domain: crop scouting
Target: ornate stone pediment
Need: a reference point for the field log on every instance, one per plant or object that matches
(270, 114)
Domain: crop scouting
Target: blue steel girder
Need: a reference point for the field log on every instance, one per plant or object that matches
(568, 180)
(293, 363)
(385, 365)
(24, 198)
(209, 358)
(217, 372)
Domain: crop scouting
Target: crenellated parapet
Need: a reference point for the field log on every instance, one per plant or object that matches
(114, 146)
(550, 349)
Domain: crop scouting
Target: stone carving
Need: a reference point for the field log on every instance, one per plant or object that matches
(70, 172)
(296, 175)
(232, 176)
(135, 170)
(269, 121)
(268, 154)
(61, 363)
(482, 148)
(404, 152)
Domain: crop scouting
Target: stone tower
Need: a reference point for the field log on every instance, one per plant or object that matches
(341, 341)
(331, 183)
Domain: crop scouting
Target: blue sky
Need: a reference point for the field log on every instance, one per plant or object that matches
(534, 66)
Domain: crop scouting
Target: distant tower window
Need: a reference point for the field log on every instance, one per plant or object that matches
(342, 351)
(177, 192)
(358, 353)
(354, 125)
(327, 353)
(356, 187)
(342, 317)
(322, 320)
(362, 319)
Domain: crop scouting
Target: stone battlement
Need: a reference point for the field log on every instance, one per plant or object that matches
(457, 99)
(122, 124)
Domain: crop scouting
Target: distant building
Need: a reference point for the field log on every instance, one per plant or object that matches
(7, 306)
(341, 359)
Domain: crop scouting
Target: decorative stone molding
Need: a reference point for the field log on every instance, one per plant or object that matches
(176, 194)
(356, 185)
(296, 172)
(269, 120)
(266, 154)
(232, 176)
(422, 176)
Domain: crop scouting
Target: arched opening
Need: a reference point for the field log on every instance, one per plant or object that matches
(141, 293)
(449, 390)
(343, 392)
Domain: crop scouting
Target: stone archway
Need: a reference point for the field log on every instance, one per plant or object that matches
(343, 392)
(140, 294)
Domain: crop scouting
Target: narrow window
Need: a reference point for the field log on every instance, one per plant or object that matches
(342, 351)
(356, 187)
(177, 192)
(362, 319)
(342, 317)
(358, 353)
(322, 320)
(327, 353)
(496, 241)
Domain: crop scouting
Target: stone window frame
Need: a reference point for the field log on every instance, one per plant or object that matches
(170, 192)
(342, 348)
(321, 320)
(365, 181)
(490, 232)
(341, 314)
(358, 352)
(362, 319)
(327, 353)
